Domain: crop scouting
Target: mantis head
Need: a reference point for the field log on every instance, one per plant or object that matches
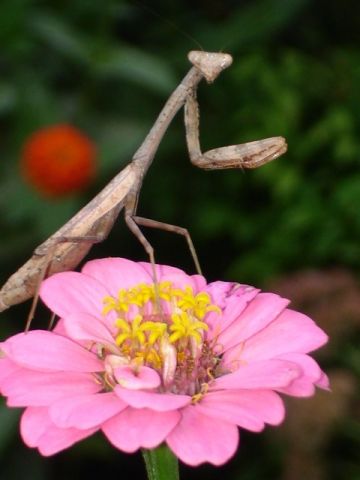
(210, 64)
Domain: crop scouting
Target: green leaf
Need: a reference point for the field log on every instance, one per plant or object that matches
(257, 21)
(117, 141)
(138, 67)
(59, 36)
(7, 98)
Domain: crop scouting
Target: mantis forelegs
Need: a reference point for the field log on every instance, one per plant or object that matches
(245, 155)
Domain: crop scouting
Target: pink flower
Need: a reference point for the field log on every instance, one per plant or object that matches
(183, 362)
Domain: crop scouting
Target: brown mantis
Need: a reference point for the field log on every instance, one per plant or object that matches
(65, 249)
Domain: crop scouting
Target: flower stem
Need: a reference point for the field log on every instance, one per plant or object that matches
(161, 463)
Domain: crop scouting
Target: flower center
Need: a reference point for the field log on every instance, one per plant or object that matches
(163, 329)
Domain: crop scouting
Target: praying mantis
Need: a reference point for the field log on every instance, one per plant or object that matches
(65, 249)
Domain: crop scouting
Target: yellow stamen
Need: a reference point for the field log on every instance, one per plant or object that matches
(198, 396)
(185, 327)
(171, 340)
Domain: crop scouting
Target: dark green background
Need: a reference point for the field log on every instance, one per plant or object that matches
(108, 67)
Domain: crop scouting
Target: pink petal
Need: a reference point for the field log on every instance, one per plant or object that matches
(199, 438)
(33, 424)
(161, 270)
(258, 314)
(135, 428)
(308, 365)
(85, 411)
(161, 402)
(304, 386)
(221, 292)
(246, 408)
(7, 369)
(47, 351)
(116, 273)
(260, 375)
(180, 280)
(290, 332)
(85, 327)
(70, 292)
(57, 439)
(37, 430)
(59, 328)
(178, 277)
(323, 382)
(240, 296)
(143, 377)
(199, 283)
(31, 388)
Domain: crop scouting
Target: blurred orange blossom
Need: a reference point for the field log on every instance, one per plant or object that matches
(58, 160)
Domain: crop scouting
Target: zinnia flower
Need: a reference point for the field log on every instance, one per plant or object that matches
(58, 160)
(182, 362)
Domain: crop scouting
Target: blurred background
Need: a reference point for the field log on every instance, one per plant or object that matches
(293, 226)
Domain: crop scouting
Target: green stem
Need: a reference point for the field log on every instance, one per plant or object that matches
(161, 463)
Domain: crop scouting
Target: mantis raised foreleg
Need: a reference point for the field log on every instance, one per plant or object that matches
(245, 155)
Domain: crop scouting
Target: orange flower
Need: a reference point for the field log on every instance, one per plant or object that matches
(58, 160)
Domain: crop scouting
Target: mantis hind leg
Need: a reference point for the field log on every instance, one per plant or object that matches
(134, 228)
(42, 274)
(146, 222)
(49, 253)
